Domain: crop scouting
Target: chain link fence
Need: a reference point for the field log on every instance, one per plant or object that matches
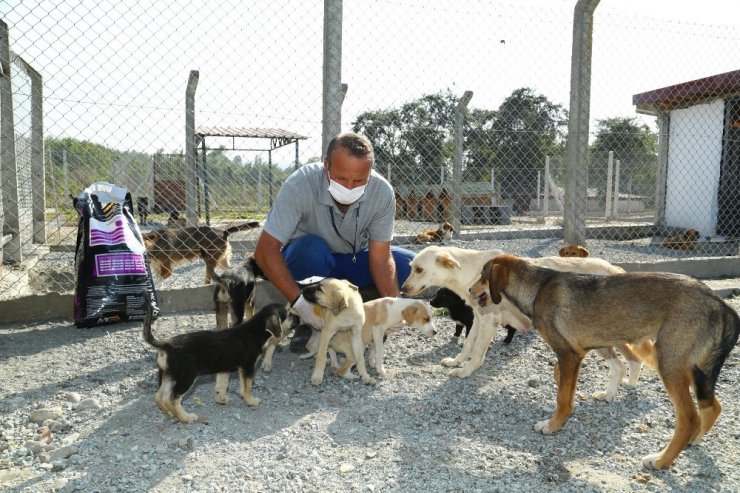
(578, 121)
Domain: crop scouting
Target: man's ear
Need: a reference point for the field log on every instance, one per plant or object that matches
(446, 261)
(498, 280)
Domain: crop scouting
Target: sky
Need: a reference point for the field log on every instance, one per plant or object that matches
(115, 71)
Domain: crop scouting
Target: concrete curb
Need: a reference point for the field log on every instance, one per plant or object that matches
(721, 274)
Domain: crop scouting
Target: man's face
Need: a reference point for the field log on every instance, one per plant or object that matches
(348, 170)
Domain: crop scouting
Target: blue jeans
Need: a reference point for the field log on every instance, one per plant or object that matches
(309, 256)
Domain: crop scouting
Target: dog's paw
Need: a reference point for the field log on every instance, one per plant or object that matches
(652, 461)
(222, 398)
(382, 373)
(450, 362)
(189, 418)
(317, 379)
(266, 366)
(543, 427)
(369, 380)
(459, 372)
(252, 401)
(603, 396)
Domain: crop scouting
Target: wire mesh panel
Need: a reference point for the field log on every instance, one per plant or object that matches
(468, 106)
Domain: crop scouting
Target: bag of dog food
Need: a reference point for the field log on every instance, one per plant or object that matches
(113, 279)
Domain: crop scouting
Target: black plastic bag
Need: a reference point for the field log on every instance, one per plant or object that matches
(113, 279)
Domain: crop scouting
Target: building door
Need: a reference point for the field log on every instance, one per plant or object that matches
(728, 196)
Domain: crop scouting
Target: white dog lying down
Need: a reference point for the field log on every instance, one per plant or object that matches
(457, 269)
(382, 316)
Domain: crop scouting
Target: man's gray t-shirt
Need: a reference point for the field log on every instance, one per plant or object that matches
(305, 206)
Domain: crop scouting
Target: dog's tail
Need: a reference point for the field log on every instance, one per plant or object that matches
(706, 378)
(148, 336)
(242, 227)
(254, 267)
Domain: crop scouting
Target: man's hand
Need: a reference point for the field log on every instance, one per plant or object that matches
(304, 309)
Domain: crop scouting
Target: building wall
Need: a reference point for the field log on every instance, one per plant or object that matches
(694, 154)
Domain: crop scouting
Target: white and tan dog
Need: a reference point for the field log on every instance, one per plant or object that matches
(458, 268)
(339, 305)
(382, 316)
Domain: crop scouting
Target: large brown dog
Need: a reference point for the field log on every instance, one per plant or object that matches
(170, 247)
(694, 331)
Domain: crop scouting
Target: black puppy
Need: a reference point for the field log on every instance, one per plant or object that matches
(233, 293)
(460, 312)
(182, 358)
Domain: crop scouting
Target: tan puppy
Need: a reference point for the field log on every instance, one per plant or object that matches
(573, 251)
(694, 331)
(685, 241)
(457, 269)
(382, 316)
(339, 304)
(439, 234)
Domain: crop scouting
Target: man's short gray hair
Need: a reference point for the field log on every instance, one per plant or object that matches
(357, 145)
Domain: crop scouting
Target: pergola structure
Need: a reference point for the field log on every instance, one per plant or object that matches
(276, 136)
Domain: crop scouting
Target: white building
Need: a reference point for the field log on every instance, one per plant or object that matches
(699, 153)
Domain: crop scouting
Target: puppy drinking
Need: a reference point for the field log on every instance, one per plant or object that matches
(180, 359)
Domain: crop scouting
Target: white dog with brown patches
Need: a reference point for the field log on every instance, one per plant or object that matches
(457, 269)
(382, 317)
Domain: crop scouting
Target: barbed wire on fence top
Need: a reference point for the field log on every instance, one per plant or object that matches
(114, 82)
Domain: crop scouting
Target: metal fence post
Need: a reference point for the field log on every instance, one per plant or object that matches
(332, 77)
(661, 175)
(38, 175)
(9, 217)
(191, 175)
(574, 215)
(459, 144)
(609, 175)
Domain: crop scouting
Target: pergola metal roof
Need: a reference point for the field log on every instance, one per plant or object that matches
(277, 136)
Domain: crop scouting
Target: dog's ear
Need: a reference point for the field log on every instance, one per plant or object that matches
(446, 261)
(352, 286)
(338, 301)
(274, 325)
(498, 280)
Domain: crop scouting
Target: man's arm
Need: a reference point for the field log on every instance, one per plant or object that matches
(271, 261)
(383, 268)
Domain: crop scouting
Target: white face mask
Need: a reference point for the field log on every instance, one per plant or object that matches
(344, 195)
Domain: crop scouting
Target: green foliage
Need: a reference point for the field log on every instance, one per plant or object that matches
(527, 128)
(233, 182)
(636, 147)
(416, 139)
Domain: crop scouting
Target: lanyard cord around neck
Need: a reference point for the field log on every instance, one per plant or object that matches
(357, 222)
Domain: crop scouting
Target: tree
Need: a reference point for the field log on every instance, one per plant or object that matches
(527, 128)
(636, 147)
(480, 149)
(414, 140)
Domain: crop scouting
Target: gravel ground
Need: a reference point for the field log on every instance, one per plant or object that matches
(90, 395)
